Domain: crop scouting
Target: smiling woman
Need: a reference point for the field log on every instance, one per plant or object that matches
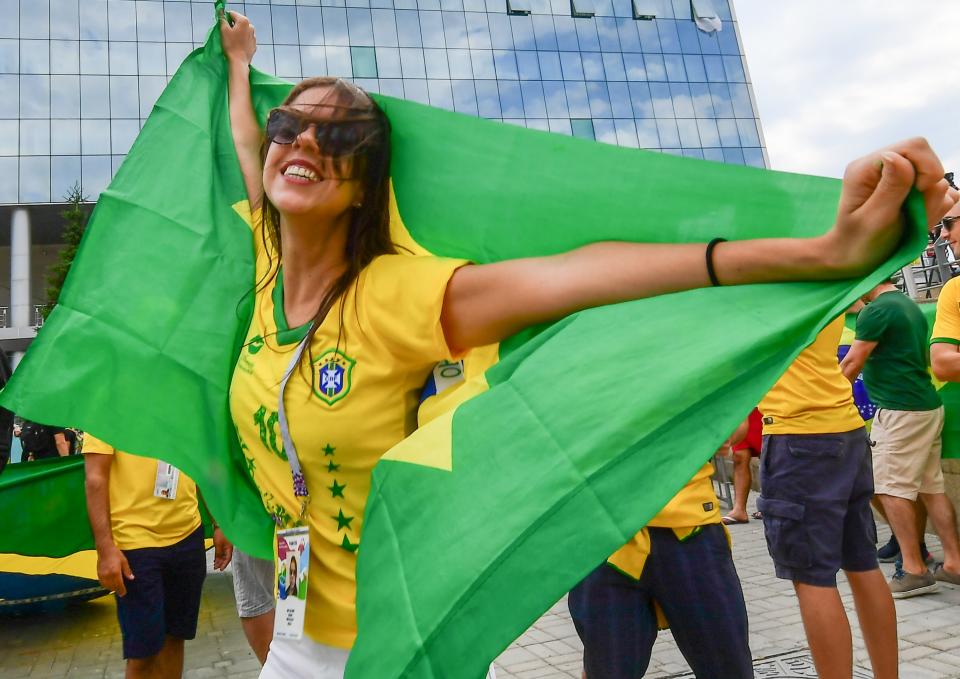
(346, 331)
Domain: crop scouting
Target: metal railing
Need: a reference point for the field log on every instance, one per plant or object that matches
(36, 317)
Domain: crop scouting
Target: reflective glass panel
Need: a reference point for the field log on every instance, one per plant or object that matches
(9, 136)
(34, 96)
(9, 182)
(64, 56)
(364, 61)
(64, 96)
(35, 137)
(34, 19)
(35, 56)
(64, 175)
(35, 179)
(65, 136)
(150, 20)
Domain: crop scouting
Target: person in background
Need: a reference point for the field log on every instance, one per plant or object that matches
(150, 551)
(816, 487)
(253, 582)
(678, 572)
(891, 350)
(42, 441)
(746, 447)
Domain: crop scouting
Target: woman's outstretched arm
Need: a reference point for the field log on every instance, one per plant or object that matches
(239, 46)
(487, 303)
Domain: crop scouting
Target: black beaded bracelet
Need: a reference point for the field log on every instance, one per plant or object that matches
(710, 270)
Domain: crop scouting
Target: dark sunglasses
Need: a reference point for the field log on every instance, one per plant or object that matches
(945, 225)
(335, 138)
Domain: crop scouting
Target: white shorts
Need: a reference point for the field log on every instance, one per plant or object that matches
(252, 584)
(289, 659)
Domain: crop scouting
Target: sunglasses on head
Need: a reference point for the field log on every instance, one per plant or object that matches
(335, 138)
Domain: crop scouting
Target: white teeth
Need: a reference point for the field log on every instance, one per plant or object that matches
(300, 171)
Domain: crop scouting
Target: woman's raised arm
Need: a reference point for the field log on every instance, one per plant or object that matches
(239, 46)
(487, 303)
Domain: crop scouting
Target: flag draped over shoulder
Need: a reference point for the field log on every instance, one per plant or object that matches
(573, 440)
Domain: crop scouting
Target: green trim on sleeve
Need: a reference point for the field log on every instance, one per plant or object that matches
(944, 340)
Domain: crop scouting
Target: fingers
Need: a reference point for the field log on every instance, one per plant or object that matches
(895, 181)
(929, 169)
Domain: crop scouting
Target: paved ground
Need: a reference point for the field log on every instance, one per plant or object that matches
(83, 642)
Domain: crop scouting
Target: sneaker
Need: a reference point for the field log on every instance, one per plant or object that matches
(898, 559)
(890, 551)
(904, 585)
(941, 574)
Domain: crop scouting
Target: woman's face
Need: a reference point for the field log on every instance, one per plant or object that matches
(300, 181)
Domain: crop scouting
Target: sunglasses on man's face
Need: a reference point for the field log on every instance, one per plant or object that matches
(334, 138)
(945, 225)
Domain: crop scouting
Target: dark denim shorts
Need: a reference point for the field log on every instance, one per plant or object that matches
(697, 587)
(164, 596)
(815, 499)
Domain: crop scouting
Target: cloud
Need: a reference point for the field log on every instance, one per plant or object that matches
(836, 80)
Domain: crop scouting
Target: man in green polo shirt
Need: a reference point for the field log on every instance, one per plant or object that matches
(891, 350)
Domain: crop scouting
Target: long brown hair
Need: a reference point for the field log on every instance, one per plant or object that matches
(368, 233)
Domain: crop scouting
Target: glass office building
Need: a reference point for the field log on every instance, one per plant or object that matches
(79, 77)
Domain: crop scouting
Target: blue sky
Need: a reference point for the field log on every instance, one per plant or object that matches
(834, 80)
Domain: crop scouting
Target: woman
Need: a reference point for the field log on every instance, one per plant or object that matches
(345, 331)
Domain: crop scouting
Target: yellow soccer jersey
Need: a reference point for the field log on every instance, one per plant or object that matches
(947, 326)
(356, 400)
(694, 506)
(138, 518)
(813, 396)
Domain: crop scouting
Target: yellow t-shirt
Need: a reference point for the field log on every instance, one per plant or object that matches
(812, 396)
(137, 517)
(946, 328)
(366, 379)
(695, 506)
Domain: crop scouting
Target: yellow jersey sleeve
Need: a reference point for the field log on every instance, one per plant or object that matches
(400, 298)
(946, 328)
(91, 444)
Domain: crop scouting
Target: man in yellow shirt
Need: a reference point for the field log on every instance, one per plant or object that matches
(150, 551)
(816, 484)
(679, 566)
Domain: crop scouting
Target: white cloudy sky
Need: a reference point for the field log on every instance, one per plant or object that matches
(838, 78)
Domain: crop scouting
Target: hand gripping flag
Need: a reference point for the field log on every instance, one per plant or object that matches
(580, 433)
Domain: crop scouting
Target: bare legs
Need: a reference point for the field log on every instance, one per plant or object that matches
(944, 520)
(742, 480)
(167, 664)
(259, 632)
(903, 520)
(828, 630)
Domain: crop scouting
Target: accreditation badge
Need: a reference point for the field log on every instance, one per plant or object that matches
(293, 565)
(168, 478)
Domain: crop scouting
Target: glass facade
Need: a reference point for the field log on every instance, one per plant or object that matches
(79, 77)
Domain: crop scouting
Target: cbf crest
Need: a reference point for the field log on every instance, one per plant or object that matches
(332, 379)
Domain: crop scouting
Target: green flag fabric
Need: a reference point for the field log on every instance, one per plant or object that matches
(579, 435)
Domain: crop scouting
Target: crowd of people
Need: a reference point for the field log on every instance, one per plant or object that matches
(332, 292)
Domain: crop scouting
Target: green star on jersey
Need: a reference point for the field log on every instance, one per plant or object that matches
(328, 450)
(336, 490)
(342, 520)
(331, 467)
(347, 545)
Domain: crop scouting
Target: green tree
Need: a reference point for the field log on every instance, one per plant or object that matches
(75, 222)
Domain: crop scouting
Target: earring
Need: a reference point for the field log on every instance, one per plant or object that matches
(357, 206)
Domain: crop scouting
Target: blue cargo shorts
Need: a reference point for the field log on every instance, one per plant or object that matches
(815, 499)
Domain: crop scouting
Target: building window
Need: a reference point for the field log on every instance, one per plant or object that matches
(705, 16)
(581, 9)
(582, 128)
(518, 7)
(364, 62)
(644, 10)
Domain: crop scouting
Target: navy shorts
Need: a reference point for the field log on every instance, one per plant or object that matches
(815, 499)
(696, 585)
(163, 599)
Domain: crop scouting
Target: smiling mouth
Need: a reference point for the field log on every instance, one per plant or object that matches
(301, 172)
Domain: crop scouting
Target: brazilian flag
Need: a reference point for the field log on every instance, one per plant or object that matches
(577, 434)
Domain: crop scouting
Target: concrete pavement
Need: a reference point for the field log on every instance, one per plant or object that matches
(83, 642)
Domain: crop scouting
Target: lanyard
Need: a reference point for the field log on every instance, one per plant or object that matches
(299, 481)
